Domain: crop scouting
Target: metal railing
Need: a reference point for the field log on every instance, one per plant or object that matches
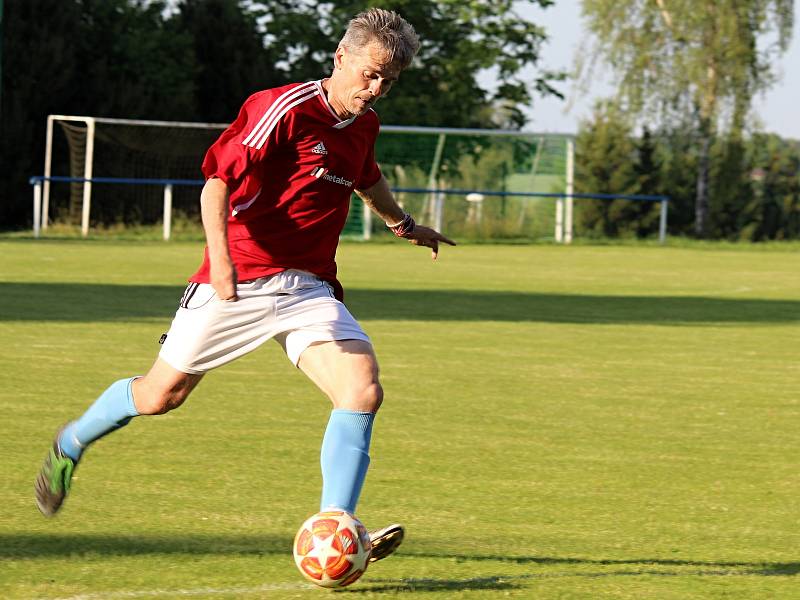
(40, 220)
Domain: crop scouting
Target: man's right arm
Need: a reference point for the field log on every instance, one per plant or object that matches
(214, 210)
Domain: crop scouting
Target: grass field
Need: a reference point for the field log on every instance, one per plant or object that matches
(586, 422)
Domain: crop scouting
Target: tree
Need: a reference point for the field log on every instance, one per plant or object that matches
(459, 39)
(230, 55)
(643, 217)
(678, 165)
(706, 59)
(35, 31)
(730, 186)
(132, 66)
(605, 157)
(773, 210)
(111, 58)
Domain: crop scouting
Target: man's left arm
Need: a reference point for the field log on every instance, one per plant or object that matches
(381, 200)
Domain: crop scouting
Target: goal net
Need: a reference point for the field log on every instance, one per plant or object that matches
(468, 182)
(475, 183)
(92, 148)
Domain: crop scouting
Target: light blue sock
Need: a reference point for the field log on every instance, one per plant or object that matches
(112, 410)
(345, 458)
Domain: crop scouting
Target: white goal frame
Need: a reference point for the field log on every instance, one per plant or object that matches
(91, 123)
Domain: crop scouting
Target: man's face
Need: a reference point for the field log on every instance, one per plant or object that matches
(361, 76)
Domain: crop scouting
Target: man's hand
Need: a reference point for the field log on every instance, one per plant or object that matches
(425, 236)
(214, 209)
(223, 279)
(380, 199)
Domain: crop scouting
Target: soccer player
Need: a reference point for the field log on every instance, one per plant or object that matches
(276, 197)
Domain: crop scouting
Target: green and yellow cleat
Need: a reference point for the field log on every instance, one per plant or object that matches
(53, 482)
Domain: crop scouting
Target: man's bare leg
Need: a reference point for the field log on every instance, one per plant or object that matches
(161, 390)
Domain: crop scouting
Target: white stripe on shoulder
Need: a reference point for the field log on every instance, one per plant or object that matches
(276, 118)
(271, 108)
(276, 110)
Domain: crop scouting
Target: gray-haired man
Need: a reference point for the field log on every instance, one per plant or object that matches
(277, 192)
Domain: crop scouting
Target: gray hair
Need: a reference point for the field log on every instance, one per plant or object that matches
(388, 29)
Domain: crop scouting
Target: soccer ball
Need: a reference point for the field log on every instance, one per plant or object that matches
(332, 549)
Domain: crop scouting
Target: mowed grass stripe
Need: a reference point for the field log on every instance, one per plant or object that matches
(588, 422)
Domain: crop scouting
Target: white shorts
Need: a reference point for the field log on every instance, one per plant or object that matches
(294, 307)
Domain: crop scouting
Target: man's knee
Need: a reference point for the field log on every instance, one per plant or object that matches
(366, 398)
(153, 399)
(373, 397)
(155, 404)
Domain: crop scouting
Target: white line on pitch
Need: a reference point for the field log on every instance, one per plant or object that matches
(270, 587)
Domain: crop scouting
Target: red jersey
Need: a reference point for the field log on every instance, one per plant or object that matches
(291, 165)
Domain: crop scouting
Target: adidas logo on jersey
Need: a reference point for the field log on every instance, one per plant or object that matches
(319, 149)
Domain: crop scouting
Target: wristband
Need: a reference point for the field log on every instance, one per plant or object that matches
(404, 228)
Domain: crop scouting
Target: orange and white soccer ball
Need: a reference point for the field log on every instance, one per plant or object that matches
(332, 549)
